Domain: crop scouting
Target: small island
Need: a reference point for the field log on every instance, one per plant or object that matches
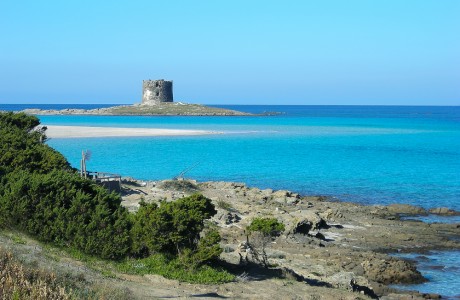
(157, 100)
(164, 109)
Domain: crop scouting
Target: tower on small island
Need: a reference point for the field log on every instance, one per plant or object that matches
(156, 91)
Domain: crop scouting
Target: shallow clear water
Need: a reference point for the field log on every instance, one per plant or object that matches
(398, 155)
(441, 269)
(366, 154)
(435, 219)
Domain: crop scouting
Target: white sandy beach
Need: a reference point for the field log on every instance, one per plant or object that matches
(87, 131)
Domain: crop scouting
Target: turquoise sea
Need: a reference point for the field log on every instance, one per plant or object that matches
(366, 154)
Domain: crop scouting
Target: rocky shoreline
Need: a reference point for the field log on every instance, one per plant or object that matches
(163, 109)
(339, 245)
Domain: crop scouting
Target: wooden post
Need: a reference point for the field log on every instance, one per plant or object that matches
(83, 163)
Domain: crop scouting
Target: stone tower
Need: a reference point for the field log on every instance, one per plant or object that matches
(156, 91)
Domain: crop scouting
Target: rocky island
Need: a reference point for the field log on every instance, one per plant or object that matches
(157, 100)
(163, 109)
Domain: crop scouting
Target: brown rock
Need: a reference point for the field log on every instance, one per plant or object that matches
(406, 209)
(444, 211)
(310, 221)
(285, 197)
(391, 271)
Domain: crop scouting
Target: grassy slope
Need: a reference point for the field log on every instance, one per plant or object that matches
(85, 277)
(32, 270)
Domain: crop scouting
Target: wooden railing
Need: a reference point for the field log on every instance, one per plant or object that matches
(109, 180)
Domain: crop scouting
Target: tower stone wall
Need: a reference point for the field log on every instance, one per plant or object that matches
(156, 91)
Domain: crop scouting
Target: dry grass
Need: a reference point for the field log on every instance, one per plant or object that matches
(31, 270)
(19, 282)
(225, 205)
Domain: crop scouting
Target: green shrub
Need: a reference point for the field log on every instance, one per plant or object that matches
(63, 208)
(266, 226)
(171, 227)
(18, 120)
(262, 232)
(42, 195)
(207, 251)
(22, 148)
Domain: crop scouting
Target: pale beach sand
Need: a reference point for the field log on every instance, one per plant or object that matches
(87, 131)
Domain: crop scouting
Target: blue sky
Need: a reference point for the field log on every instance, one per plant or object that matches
(232, 52)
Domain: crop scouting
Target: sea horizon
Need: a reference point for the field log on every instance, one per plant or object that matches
(227, 104)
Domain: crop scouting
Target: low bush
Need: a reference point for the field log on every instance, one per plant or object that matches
(174, 228)
(262, 231)
(23, 148)
(63, 208)
(269, 227)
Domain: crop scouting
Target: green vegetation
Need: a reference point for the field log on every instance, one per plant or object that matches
(22, 148)
(17, 239)
(40, 194)
(63, 208)
(270, 227)
(173, 269)
(174, 228)
(262, 232)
